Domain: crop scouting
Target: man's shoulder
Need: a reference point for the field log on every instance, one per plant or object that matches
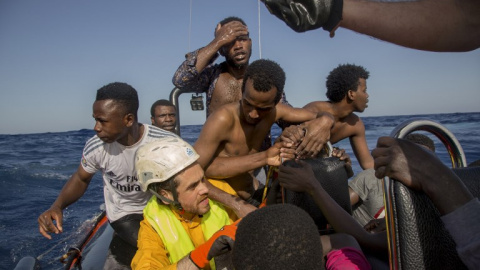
(225, 113)
(92, 144)
(318, 106)
(155, 133)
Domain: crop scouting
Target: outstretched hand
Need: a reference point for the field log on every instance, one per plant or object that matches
(299, 177)
(406, 162)
(46, 224)
(342, 155)
(419, 169)
(317, 134)
(279, 152)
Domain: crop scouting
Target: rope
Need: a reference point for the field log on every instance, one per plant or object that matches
(190, 26)
(259, 34)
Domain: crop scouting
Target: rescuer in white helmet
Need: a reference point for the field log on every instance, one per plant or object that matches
(179, 218)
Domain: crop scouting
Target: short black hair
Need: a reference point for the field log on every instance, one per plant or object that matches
(122, 93)
(279, 236)
(265, 74)
(421, 139)
(343, 78)
(160, 102)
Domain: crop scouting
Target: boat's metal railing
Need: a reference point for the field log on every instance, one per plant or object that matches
(196, 103)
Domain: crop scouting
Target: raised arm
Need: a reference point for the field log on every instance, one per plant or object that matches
(190, 73)
(71, 192)
(302, 179)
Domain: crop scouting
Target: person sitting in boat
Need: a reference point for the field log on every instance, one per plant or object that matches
(418, 169)
(110, 151)
(411, 164)
(230, 141)
(347, 94)
(283, 236)
(164, 115)
(366, 191)
(180, 226)
(222, 82)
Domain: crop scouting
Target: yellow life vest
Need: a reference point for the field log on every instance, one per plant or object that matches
(173, 234)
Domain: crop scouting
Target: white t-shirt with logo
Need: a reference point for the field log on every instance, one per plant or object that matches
(121, 190)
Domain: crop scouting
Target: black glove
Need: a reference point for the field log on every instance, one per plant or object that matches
(304, 15)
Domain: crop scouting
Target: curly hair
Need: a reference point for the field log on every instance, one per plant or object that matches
(343, 78)
(227, 20)
(160, 102)
(265, 74)
(279, 236)
(122, 93)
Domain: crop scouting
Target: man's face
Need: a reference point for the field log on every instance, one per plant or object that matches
(111, 122)
(361, 96)
(238, 52)
(256, 105)
(165, 117)
(192, 190)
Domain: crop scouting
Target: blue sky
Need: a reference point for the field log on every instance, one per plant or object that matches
(55, 54)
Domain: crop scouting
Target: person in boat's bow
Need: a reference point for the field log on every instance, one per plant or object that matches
(229, 144)
(180, 226)
(110, 151)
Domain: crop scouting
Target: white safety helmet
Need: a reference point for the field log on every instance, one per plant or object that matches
(160, 160)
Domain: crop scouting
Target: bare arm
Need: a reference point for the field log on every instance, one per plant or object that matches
(315, 129)
(360, 147)
(419, 169)
(71, 192)
(217, 130)
(239, 206)
(432, 25)
(302, 179)
(223, 35)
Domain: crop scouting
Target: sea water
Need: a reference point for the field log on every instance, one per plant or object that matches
(34, 168)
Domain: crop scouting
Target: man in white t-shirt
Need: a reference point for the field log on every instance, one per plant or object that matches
(110, 151)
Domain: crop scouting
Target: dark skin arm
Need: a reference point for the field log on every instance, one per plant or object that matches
(224, 35)
(311, 136)
(239, 206)
(419, 169)
(71, 192)
(302, 179)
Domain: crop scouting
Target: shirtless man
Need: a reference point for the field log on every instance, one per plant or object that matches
(222, 82)
(347, 93)
(229, 143)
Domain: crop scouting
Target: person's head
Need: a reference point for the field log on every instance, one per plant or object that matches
(280, 236)
(168, 168)
(422, 140)
(237, 53)
(115, 111)
(348, 82)
(164, 115)
(262, 89)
